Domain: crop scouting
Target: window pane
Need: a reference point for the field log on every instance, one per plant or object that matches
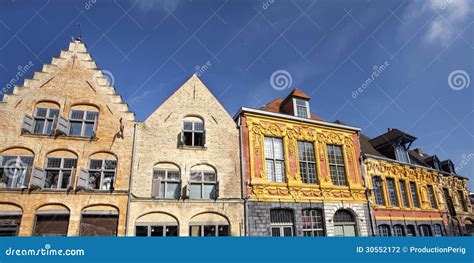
(95, 164)
(76, 128)
(414, 195)
(268, 148)
(188, 138)
(279, 171)
(278, 148)
(54, 162)
(110, 164)
(288, 231)
(52, 178)
(198, 139)
(403, 191)
(41, 112)
(199, 126)
(77, 114)
(39, 126)
(159, 174)
(378, 190)
(108, 180)
(209, 176)
(223, 230)
(171, 231)
(208, 190)
(156, 231)
(65, 179)
(172, 190)
(209, 231)
(89, 129)
(141, 231)
(91, 115)
(173, 175)
(70, 163)
(196, 176)
(275, 231)
(391, 192)
(270, 171)
(195, 191)
(53, 112)
(188, 126)
(301, 111)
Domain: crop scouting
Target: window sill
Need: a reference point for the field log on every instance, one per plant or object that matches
(185, 147)
(79, 138)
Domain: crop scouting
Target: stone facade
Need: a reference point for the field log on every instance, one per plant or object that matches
(266, 194)
(71, 82)
(160, 146)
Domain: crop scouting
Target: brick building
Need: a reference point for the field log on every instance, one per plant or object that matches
(413, 193)
(186, 172)
(301, 174)
(65, 151)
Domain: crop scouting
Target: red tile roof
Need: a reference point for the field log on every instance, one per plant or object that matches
(275, 105)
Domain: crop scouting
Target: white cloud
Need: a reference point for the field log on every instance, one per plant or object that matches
(449, 16)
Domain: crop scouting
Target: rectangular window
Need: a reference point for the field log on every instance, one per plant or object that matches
(301, 108)
(156, 231)
(209, 230)
(312, 222)
(336, 165)
(307, 162)
(51, 225)
(432, 197)
(274, 159)
(425, 230)
(9, 225)
(377, 182)
(102, 173)
(202, 184)
(99, 225)
(392, 192)
(83, 123)
(462, 201)
(414, 195)
(404, 193)
(193, 133)
(44, 118)
(170, 183)
(58, 172)
(401, 154)
(14, 170)
(282, 223)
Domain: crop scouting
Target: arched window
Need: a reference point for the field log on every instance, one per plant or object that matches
(282, 222)
(51, 220)
(15, 168)
(99, 220)
(45, 115)
(313, 222)
(437, 230)
(344, 223)
(60, 169)
(398, 231)
(10, 218)
(411, 232)
(156, 225)
(425, 230)
(193, 132)
(384, 230)
(83, 121)
(166, 181)
(209, 225)
(203, 183)
(456, 228)
(102, 171)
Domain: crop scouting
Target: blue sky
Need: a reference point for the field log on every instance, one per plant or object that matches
(421, 52)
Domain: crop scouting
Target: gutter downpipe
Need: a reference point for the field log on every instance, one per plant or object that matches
(242, 168)
(362, 170)
(130, 180)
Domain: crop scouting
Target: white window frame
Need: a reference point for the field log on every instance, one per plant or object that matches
(163, 226)
(17, 181)
(336, 179)
(102, 172)
(194, 131)
(167, 181)
(202, 182)
(295, 107)
(47, 120)
(306, 163)
(201, 230)
(274, 160)
(83, 122)
(61, 171)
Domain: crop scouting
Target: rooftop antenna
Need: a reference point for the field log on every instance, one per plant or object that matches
(79, 37)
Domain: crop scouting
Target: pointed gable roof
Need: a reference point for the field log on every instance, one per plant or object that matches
(192, 94)
(76, 57)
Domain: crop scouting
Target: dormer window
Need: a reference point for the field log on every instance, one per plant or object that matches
(301, 108)
(401, 154)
